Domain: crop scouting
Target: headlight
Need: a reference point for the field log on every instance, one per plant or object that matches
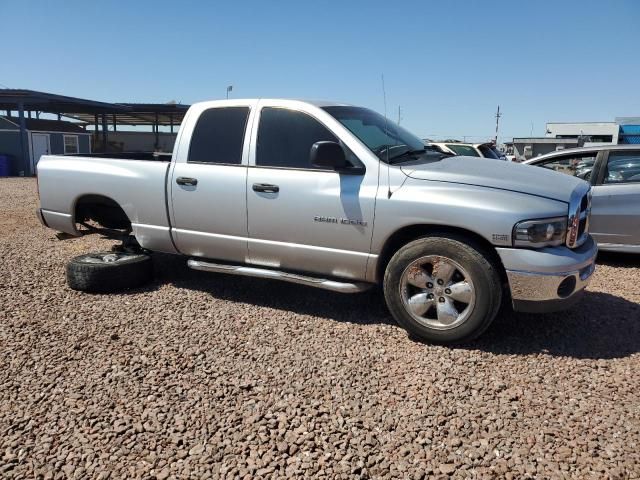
(546, 232)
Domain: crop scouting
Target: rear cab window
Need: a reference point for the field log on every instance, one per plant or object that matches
(218, 136)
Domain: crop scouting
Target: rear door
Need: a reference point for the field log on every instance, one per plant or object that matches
(208, 183)
(615, 214)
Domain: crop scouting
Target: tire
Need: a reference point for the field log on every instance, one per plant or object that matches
(475, 294)
(105, 272)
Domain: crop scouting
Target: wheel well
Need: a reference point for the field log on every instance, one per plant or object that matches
(102, 210)
(412, 232)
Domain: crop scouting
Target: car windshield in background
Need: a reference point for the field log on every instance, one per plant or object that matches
(463, 150)
(379, 134)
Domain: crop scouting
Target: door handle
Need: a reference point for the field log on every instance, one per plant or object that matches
(191, 182)
(265, 187)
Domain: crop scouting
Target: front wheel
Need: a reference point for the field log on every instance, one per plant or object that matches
(443, 289)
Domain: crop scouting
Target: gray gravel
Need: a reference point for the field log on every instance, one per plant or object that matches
(207, 376)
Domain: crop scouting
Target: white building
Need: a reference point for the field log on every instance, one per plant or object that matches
(594, 133)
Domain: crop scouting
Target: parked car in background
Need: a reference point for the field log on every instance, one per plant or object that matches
(614, 173)
(485, 150)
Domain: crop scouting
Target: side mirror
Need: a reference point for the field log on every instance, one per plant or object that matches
(328, 155)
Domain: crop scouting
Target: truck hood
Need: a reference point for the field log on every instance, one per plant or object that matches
(484, 172)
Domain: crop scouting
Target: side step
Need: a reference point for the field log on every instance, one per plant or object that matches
(336, 286)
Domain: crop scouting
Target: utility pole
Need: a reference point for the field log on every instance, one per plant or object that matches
(229, 88)
(498, 115)
(399, 114)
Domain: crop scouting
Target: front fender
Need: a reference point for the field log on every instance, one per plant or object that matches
(488, 212)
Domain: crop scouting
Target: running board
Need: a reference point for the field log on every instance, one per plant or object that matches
(336, 286)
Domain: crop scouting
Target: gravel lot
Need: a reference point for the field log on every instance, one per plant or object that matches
(207, 376)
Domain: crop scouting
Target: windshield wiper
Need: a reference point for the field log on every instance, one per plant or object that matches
(407, 153)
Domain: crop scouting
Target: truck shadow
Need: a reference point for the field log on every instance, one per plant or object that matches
(618, 260)
(601, 326)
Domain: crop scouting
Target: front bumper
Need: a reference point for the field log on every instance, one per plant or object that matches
(548, 279)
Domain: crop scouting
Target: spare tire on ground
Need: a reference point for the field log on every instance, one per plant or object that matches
(109, 271)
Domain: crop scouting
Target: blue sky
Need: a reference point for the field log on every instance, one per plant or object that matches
(447, 63)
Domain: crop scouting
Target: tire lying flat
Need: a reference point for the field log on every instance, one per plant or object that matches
(109, 271)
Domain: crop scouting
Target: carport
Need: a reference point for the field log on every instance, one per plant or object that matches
(31, 104)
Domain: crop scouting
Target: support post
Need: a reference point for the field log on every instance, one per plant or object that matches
(115, 128)
(24, 142)
(171, 121)
(157, 144)
(105, 135)
(95, 129)
(59, 117)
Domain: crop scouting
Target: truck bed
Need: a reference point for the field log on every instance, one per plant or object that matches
(137, 185)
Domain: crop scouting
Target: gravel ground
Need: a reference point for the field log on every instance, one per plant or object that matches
(206, 376)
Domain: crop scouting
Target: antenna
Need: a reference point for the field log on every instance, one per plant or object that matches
(386, 131)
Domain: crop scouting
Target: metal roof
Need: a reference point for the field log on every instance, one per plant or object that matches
(46, 125)
(49, 102)
(86, 110)
(140, 114)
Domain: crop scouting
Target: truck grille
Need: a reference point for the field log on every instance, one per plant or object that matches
(579, 213)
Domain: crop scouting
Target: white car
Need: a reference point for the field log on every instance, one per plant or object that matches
(486, 150)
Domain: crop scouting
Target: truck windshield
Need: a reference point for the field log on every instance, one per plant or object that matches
(381, 135)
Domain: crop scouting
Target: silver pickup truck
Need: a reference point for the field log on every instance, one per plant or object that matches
(337, 197)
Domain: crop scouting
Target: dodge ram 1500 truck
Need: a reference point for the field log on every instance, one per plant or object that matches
(332, 196)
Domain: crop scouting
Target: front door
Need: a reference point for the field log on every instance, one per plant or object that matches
(615, 212)
(208, 187)
(40, 145)
(301, 217)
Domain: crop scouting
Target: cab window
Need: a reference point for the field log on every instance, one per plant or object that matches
(285, 138)
(218, 136)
